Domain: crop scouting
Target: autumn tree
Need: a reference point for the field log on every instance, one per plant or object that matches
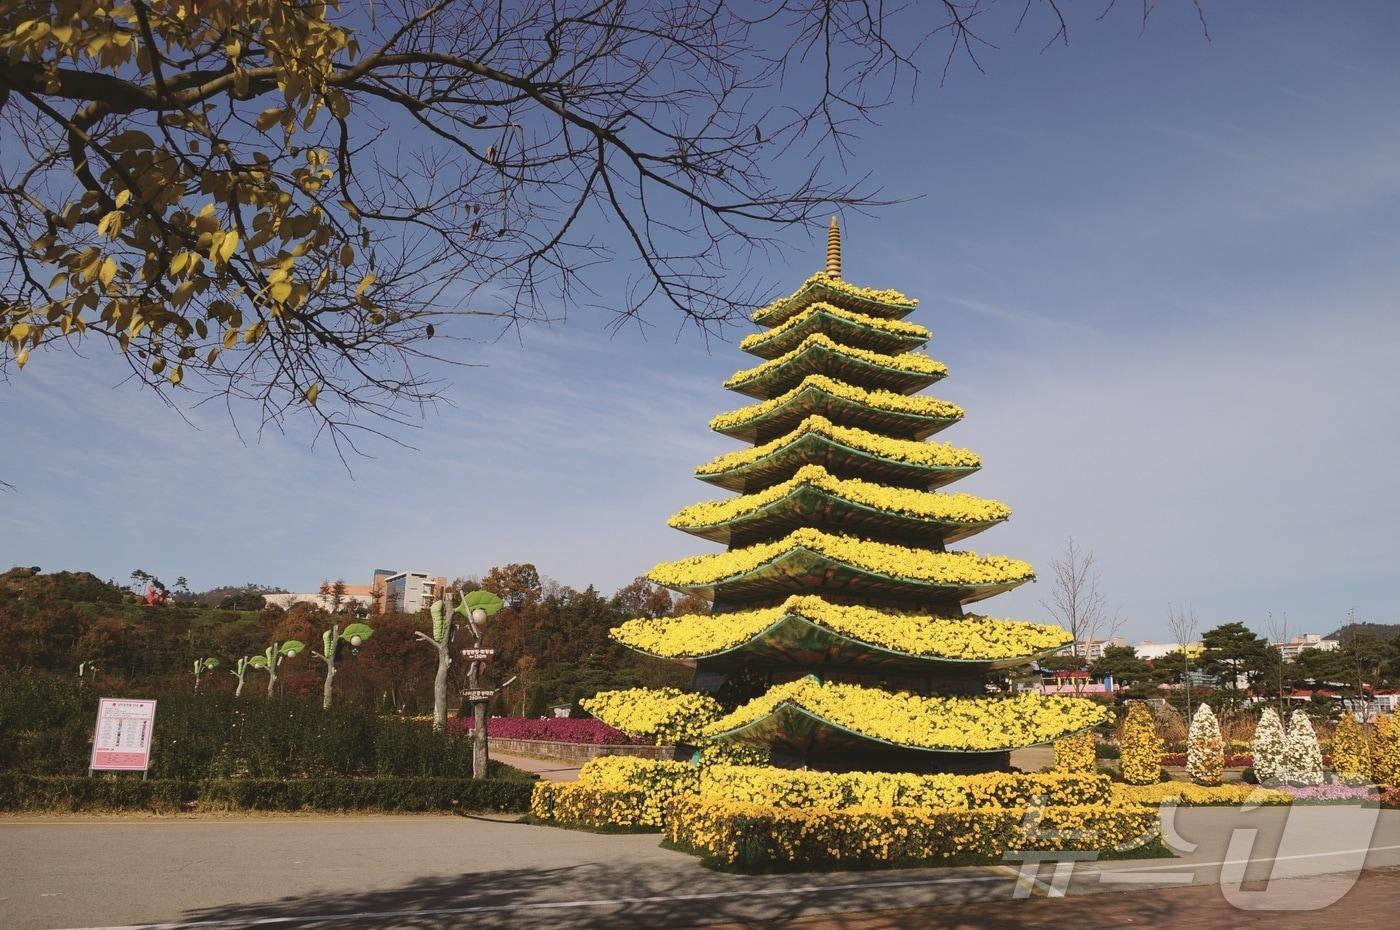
(282, 203)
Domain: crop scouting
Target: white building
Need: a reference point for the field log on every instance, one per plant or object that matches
(1091, 649)
(1297, 644)
(409, 592)
(1150, 650)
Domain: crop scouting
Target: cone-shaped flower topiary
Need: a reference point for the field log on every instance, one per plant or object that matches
(1205, 751)
(1268, 748)
(1075, 754)
(1140, 748)
(1351, 751)
(1302, 757)
(1385, 751)
(837, 638)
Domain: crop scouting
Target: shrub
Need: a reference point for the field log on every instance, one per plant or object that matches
(752, 836)
(1205, 752)
(1302, 757)
(1141, 748)
(1075, 753)
(1268, 747)
(554, 729)
(80, 792)
(621, 792)
(1179, 792)
(659, 715)
(1351, 751)
(1385, 751)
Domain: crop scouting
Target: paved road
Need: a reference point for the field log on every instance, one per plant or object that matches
(438, 872)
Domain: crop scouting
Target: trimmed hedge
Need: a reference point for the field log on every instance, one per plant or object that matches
(78, 793)
(752, 837)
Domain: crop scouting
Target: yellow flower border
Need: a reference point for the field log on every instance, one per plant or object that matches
(908, 362)
(911, 451)
(897, 327)
(877, 295)
(900, 562)
(932, 722)
(969, 638)
(925, 505)
(918, 404)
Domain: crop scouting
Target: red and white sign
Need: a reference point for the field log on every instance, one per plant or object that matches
(123, 738)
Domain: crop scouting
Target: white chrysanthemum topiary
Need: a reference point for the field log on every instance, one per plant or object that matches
(1302, 757)
(1268, 748)
(1205, 750)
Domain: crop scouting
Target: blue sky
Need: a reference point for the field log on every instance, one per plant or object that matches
(1162, 271)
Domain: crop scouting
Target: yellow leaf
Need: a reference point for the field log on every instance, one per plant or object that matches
(107, 272)
(122, 199)
(312, 393)
(347, 255)
(364, 284)
(230, 338)
(280, 291)
(269, 118)
(339, 104)
(178, 263)
(177, 375)
(22, 356)
(18, 332)
(62, 33)
(228, 246)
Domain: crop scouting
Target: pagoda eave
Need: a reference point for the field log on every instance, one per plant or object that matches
(802, 569)
(819, 359)
(806, 505)
(817, 291)
(798, 641)
(816, 401)
(837, 458)
(870, 336)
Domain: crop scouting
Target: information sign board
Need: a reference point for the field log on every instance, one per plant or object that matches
(122, 741)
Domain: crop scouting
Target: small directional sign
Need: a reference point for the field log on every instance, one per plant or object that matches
(479, 695)
(478, 655)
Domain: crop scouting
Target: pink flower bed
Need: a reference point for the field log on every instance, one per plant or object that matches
(1331, 793)
(552, 729)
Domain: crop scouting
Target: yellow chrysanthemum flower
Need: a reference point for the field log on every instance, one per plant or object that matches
(898, 327)
(917, 405)
(908, 361)
(904, 450)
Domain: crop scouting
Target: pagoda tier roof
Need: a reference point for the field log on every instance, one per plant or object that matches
(819, 354)
(846, 327)
(810, 560)
(824, 288)
(808, 715)
(807, 631)
(842, 450)
(815, 497)
(879, 411)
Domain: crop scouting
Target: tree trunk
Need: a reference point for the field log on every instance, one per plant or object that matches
(480, 757)
(330, 677)
(271, 675)
(239, 690)
(440, 689)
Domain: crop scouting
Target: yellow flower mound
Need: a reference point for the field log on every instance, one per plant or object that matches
(917, 405)
(1180, 792)
(968, 638)
(937, 454)
(884, 296)
(898, 327)
(927, 505)
(958, 724)
(951, 569)
(666, 715)
(920, 364)
(615, 791)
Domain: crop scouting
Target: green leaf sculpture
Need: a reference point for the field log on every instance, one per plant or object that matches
(357, 631)
(291, 647)
(258, 662)
(485, 600)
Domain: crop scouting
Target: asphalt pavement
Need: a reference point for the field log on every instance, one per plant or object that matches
(429, 872)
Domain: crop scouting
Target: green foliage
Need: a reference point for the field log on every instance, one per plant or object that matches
(487, 601)
(46, 728)
(79, 792)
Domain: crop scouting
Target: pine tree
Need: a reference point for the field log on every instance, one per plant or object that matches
(1205, 750)
(1351, 751)
(1302, 757)
(1268, 748)
(1140, 747)
(1075, 754)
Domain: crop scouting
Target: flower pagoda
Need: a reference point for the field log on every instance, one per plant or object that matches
(837, 638)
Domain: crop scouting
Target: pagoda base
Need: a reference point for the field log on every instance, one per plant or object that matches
(892, 759)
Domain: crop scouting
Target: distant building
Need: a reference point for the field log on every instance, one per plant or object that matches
(355, 596)
(1074, 682)
(1297, 644)
(1149, 650)
(1091, 649)
(407, 592)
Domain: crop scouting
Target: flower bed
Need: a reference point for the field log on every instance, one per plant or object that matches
(1331, 794)
(1178, 792)
(615, 792)
(752, 836)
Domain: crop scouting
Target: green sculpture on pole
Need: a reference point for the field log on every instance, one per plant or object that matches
(333, 641)
(274, 656)
(200, 667)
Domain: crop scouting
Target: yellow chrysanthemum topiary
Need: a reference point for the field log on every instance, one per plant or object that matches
(966, 638)
(665, 715)
(927, 505)
(1140, 748)
(932, 454)
(909, 361)
(1075, 754)
(898, 327)
(1351, 751)
(955, 724)
(953, 569)
(821, 278)
(1385, 751)
(916, 405)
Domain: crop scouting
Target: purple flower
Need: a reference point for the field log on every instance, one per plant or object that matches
(553, 729)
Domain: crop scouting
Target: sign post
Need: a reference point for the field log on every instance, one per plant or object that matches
(122, 740)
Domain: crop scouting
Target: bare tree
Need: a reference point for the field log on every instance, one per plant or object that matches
(279, 205)
(1278, 632)
(1183, 623)
(1077, 604)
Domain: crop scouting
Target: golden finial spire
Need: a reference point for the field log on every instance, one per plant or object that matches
(833, 249)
